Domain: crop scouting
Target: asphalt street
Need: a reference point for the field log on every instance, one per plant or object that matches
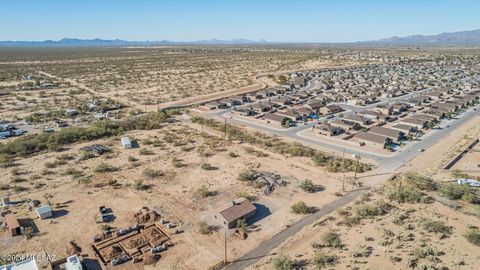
(387, 163)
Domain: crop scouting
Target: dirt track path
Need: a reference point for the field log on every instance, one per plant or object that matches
(265, 247)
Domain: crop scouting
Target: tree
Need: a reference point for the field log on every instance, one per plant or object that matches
(242, 226)
(28, 232)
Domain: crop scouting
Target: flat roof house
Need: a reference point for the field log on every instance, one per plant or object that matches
(372, 139)
(237, 209)
(393, 134)
(44, 212)
(29, 264)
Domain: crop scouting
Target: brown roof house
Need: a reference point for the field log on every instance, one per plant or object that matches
(276, 119)
(372, 139)
(329, 130)
(395, 135)
(235, 210)
(330, 109)
(11, 223)
(345, 124)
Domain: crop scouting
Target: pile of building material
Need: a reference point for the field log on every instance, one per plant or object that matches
(73, 248)
(145, 215)
(150, 259)
(268, 180)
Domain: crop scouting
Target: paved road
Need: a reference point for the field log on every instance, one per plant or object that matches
(388, 164)
(266, 246)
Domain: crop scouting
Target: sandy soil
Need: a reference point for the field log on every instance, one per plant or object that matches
(174, 194)
(391, 244)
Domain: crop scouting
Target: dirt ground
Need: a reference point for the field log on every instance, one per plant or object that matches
(176, 155)
(392, 244)
(432, 163)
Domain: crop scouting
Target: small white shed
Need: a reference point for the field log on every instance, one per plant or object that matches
(44, 212)
(127, 144)
(4, 200)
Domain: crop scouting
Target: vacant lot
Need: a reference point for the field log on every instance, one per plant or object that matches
(149, 75)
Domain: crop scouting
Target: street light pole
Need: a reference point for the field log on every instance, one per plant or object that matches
(225, 248)
(343, 169)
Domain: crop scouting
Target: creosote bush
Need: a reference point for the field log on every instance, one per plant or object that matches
(300, 208)
(473, 236)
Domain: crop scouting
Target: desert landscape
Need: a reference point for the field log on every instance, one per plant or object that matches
(129, 182)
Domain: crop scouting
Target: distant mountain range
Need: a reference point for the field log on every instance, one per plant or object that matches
(455, 38)
(75, 42)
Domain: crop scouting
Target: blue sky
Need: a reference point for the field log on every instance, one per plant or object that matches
(280, 20)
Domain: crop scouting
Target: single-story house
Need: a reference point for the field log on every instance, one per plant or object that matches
(212, 105)
(28, 264)
(375, 116)
(246, 111)
(314, 105)
(361, 120)
(260, 107)
(450, 107)
(385, 109)
(405, 128)
(393, 134)
(330, 109)
(372, 139)
(425, 117)
(346, 124)
(329, 130)
(415, 122)
(281, 101)
(293, 114)
(437, 113)
(237, 209)
(276, 118)
(44, 212)
(299, 81)
(12, 224)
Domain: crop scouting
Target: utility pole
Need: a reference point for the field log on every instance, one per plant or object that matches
(225, 248)
(357, 157)
(400, 186)
(343, 169)
(225, 130)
